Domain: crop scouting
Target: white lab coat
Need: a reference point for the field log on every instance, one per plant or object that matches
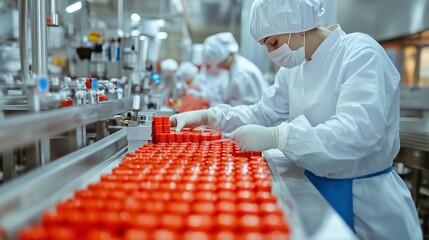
(246, 83)
(243, 84)
(340, 119)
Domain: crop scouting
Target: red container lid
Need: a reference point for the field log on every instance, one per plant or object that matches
(171, 138)
(144, 220)
(200, 222)
(196, 137)
(205, 137)
(102, 98)
(165, 120)
(227, 221)
(172, 222)
(187, 136)
(179, 137)
(133, 234)
(157, 128)
(226, 207)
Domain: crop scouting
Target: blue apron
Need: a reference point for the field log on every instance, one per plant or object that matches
(338, 192)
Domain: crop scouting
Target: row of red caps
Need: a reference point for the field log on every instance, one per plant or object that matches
(172, 191)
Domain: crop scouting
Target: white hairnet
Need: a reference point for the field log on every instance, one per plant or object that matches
(217, 48)
(169, 65)
(273, 17)
(187, 69)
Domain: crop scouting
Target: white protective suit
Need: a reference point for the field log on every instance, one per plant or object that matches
(342, 114)
(246, 83)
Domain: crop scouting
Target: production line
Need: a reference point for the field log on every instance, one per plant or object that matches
(201, 119)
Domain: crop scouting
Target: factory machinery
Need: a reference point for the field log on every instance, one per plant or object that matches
(92, 155)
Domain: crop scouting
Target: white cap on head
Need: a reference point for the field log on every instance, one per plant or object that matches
(218, 47)
(274, 17)
(169, 65)
(187, 69)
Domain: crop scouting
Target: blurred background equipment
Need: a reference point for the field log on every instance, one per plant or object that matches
(70, 71)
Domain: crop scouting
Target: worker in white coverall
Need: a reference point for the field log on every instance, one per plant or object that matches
(237, 80)
(333, 110)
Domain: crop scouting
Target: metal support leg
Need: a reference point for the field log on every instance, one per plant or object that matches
(8, 165)
(415, 185)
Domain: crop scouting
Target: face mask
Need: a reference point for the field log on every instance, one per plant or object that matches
(285, 57)
(213, 71)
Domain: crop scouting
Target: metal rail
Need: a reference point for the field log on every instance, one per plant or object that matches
(22, 200)
(26, 129)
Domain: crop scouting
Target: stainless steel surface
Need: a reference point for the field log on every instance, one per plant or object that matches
(384, 19)
(20, 130)
(23, 39)
(143, 44)
(53, 13)
(414, 134)
(38, 37)
(311, 215)
(23, 200)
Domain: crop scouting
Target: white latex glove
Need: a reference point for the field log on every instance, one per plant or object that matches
(255, 137)
(193, 119)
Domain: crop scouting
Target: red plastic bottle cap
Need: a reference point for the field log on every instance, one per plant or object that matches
(51, 218)
(246, 196)
(92, 219)
(204, 208)
(206, 196)
(64, 103)
(250, 223)
(266, 196)
(226, 186)
(225, 235)
(205, 137)
(215, 136)
(186, 197)
(196, 137)
(33, 233)
(161, 137)
(277, 235)
(245, 185)
(200, 222)
(62, 233)
(226, 207)
(172, 222)
(274, 222)
(227, 221)
(134, 234)
(248, 208)
(157, 120)
(157, 128)
(166, 234)
(88, 83)
(165, 120)
(263, 184)
(253, 236)
(196, 235)
(187, 136)
(166, 128)
(207, 186)
(144, 220)
(102, 98)
(268, 207)
(227, 195)
(170, 137)
(179, 137)
(181, 208)
(99, 234)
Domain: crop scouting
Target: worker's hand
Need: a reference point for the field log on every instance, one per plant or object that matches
(190, 119)
(255, 137)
